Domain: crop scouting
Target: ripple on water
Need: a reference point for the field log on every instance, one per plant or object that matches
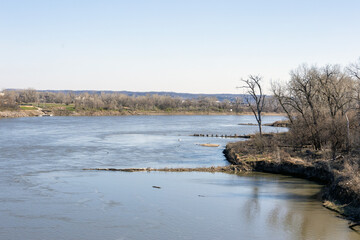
(45, 194)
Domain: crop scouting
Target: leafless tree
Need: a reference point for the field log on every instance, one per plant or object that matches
(354, 69)
(303, 97)
(280, 94)
(336, 89)
(8, 100)
(257, 101)
(237, 104)
(317, 101)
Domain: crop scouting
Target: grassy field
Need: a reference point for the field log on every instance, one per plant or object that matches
(28, 108)
(52, 106)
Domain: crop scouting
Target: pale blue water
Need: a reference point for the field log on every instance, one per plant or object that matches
(45, 194)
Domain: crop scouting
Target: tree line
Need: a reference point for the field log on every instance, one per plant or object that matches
(12, 99)
(322, 105)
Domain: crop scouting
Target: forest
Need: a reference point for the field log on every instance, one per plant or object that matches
(322, 105)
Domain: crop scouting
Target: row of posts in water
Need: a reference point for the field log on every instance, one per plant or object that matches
(222, 136)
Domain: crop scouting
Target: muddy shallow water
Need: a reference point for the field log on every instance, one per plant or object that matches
(46, 194)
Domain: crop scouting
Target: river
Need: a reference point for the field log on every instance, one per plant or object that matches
(46, 194)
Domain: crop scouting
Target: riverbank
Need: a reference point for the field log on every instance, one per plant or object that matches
(20, 113)
(341, 191)
(63, 112)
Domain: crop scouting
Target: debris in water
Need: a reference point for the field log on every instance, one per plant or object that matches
(209, 145)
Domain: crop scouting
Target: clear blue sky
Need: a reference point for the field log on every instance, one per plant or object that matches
(198, 46)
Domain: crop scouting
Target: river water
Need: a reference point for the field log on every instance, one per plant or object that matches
(46, 194)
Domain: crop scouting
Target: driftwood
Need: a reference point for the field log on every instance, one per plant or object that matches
(120, 169)
(209, 145)
(353, 225)
(226, 169)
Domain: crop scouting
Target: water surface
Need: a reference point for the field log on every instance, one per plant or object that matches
(46, 194)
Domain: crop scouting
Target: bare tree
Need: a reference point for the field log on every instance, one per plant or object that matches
(317, 101)
(237, 104)
(336, 90)
(280, 94)
(8, 100)
(304, 97)
(257, 101)
(354, 69)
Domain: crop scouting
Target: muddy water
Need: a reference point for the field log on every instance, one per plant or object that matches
(45, 194)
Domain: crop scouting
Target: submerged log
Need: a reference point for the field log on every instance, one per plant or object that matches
(226, 169)
(120, 169)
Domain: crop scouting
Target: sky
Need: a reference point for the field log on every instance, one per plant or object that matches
(194, 46)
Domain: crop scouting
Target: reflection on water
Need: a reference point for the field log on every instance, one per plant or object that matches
(46, 194)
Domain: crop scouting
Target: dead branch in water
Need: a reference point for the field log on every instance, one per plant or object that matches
(226, 169)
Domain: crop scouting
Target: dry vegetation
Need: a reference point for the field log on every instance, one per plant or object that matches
(272, 153)
(323, 142)
(322, 105)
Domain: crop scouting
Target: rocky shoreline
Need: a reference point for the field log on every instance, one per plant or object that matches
(21, 113)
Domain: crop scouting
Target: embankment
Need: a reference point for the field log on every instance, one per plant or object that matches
(20, 113)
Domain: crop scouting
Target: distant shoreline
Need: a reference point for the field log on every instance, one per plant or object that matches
(40, 113)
